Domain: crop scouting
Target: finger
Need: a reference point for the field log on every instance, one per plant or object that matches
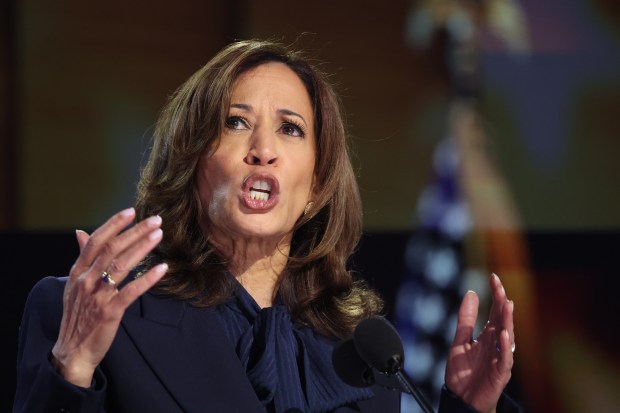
(125, 261)
(508, 320)
(498, 294)
(468, 313)
(136, 288)
(506, 359)
(124, 251)
(82, 238)
(100, 237)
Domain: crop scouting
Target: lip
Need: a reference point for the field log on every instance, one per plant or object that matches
(256, 204)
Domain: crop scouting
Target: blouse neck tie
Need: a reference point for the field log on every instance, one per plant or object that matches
(288, 365)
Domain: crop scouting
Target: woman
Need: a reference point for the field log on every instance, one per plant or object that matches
(230, 291)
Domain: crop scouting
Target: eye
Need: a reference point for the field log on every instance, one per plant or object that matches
(236, 123)
(292, 129)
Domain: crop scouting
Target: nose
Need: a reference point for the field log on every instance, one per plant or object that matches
(263, 148)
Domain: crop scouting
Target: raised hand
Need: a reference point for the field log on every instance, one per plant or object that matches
(93, 305)
(478, 369)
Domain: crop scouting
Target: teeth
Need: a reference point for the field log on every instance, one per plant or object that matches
(263, 185)
(260, 196)
(260, 190)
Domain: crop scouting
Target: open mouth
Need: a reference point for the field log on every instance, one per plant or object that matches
(260, 190)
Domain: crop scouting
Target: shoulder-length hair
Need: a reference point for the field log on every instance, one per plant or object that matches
(315, 286)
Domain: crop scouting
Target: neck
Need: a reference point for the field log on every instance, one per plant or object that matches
(260, 282)
(256, 265)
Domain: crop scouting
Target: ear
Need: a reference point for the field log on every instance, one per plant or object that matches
(314, 189)
(311, 196)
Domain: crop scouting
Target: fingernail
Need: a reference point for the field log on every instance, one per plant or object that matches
(127, 212)
(161, 268)
(156, 234)
(154, 220)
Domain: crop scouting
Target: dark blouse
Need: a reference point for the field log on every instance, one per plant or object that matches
(288, 365)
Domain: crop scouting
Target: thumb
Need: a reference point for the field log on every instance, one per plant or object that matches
(468, 313)
(82, 238)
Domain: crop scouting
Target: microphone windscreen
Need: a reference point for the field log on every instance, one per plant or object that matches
(378, 343)
(349, 365)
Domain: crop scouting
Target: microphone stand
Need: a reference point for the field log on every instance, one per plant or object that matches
(408, 385)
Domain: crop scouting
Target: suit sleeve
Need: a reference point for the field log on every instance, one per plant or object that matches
(39, 387)
(451, 403)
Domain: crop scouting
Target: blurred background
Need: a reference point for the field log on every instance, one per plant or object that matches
(486, 137)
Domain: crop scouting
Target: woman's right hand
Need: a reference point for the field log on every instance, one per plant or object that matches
(93, 308)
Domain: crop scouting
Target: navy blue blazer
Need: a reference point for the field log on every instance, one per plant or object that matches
(166, 357)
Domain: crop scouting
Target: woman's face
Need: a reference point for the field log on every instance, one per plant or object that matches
(257, 182)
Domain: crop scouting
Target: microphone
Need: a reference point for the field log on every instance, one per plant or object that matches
(376, 354)
(354, 371)
(379, 344)
(350, 367)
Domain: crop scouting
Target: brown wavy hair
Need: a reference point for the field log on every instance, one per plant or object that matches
(315, 285)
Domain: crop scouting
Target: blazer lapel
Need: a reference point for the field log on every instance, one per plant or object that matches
(188, 351)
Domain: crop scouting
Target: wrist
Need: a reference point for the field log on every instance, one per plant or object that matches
(472, 402)
(74, 373)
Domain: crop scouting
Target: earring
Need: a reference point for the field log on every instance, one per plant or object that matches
(308, 207)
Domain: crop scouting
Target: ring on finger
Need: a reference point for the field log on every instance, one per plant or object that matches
(512, 347)
(107, 278)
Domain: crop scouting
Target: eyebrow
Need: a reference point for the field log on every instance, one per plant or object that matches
(249, 108)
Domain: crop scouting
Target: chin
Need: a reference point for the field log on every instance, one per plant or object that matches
(258, 228)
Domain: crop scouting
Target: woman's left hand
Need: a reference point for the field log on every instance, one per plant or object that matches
(478, 370)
